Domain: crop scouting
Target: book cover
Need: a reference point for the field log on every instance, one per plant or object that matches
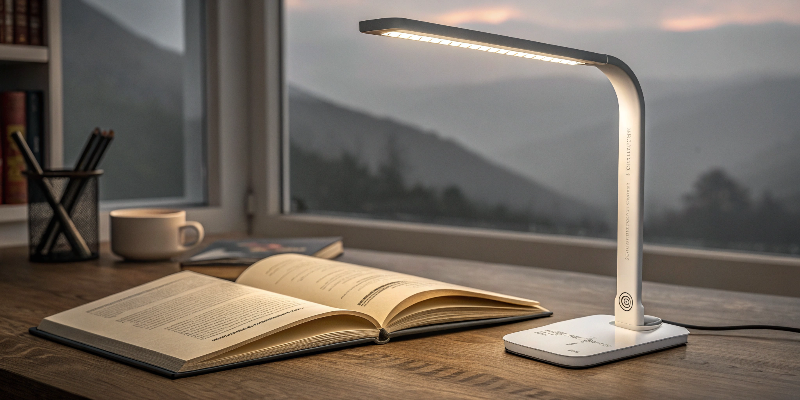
(227, 259)
(21, 22)
(35, 32)
(248, 251)
(8, 22)
(15, 184)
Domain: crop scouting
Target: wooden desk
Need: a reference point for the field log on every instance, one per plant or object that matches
(465, 364)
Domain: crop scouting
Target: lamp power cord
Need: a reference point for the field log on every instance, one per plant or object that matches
(734, 327)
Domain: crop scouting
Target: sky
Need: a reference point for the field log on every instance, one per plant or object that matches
(160, 21)
(673, 15)
(665, 40)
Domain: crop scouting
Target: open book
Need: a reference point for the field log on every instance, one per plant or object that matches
(289, 304)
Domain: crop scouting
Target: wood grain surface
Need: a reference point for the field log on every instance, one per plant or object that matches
(461, 364)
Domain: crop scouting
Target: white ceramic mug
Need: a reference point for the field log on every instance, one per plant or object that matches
(151, 234)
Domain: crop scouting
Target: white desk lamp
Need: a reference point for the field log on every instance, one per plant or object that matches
(598, 339)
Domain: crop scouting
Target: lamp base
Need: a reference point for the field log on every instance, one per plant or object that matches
(591, 341)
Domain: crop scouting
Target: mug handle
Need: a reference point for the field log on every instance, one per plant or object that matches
(197, 228)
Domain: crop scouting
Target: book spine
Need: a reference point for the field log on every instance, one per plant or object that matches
(2, 21)
(34, 125)
(21, 22)
(8, 21)
(35, 32)
(15, 184)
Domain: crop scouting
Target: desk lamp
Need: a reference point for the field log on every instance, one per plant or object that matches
(598, 339)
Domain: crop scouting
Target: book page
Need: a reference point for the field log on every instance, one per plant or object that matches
(375, 292)
(182, 317)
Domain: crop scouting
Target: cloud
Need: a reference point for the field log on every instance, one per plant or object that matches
(487, 15)
(709, 15)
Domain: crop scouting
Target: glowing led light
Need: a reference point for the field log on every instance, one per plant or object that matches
(472, 46)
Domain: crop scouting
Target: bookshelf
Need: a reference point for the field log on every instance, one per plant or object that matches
(37, 68)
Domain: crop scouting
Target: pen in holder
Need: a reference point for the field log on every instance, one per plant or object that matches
(49, 239)
(62, 211)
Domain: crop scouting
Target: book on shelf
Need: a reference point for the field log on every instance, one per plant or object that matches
(21, 22)
(35, 31)
(2, 21)
(34, 124)
(12, 119)
(8, 22)
(286, 305)
(227, 259)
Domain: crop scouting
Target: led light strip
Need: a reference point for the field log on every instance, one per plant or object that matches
(488, 49)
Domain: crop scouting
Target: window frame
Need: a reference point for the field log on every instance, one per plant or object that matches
(730, 270)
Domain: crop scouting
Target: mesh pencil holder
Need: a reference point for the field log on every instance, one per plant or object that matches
(77, 192)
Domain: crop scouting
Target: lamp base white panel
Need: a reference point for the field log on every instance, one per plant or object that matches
(590, 341)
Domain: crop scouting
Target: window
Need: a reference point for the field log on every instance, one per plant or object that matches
(138, 68)
(391, 129)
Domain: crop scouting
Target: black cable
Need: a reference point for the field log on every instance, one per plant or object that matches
(734, 327)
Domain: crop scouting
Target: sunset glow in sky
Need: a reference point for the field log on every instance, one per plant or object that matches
(674, 15)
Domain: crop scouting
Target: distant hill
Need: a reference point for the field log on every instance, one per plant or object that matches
(686, 134)
(748, 127)
(329, 129)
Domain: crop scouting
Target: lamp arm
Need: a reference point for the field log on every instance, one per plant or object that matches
(628, 308)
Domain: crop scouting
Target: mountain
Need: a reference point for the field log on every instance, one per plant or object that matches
(748, 128)
(117, 80)
(562, 132)
(329, 129)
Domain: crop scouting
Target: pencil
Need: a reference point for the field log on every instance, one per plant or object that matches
(70, 192)
(70, 231)
(70, 198)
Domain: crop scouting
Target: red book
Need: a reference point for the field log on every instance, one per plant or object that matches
(12, 113)
(21, 21)
(35, 32)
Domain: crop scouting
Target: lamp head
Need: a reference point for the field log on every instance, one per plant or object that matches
(409, 29)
